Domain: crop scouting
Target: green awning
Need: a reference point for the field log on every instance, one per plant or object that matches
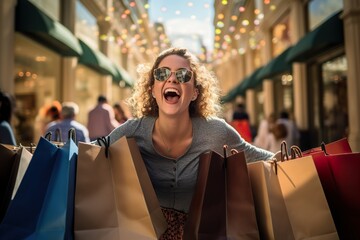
(233, 93)
(248, 82)
(254, 79)
(276, 66)
(325, 36)
(123, 75)
(97, 61)
(33, 22)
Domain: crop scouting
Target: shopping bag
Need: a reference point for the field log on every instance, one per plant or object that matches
(222, 206)
(339, 146)
(271, 212)
(304, 198)
(7, 178)
(114, 196)
(22, 162)
(340, 178)
(42, 208)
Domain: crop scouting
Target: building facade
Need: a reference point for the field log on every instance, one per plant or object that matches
(300, 56)
(273, 55)
(71, 50)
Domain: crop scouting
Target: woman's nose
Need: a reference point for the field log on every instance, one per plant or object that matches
(173, 78)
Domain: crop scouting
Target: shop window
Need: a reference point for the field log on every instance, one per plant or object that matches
(86, 27)
(334, 100)
(280, 36)
(37, 79)
(88, 86)
(51, 8)
(283, 87)
(319, 10)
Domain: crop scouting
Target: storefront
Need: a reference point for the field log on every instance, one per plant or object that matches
(52, 65)
(322, 51)
(37, 82)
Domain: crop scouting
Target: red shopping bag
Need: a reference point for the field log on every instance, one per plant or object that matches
(338, 169)
(340, 177)
(339, 146)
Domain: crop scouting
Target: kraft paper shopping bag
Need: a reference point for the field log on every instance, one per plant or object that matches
(114, 196)
(222, 205)
(271, 212)
(304, 198)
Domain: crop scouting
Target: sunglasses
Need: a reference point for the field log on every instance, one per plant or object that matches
(183, 75)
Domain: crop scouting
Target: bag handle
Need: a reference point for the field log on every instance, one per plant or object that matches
(48, 136)
(225, 147)
(106, 142)
(232, 151)
(284, 155)
(32, 147)
(72, 134)
(295, 152)
(58, 137)
(323, 148)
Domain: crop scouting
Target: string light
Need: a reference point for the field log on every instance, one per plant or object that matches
(224, 34)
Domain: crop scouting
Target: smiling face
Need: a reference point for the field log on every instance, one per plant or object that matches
(173, 97)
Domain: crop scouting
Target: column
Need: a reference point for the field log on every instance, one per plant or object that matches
(105, 29)
(268, 84)
(301, 110)
(250, 94)
(7, 58)
(251, 106)
(68, 91)
(297, 26)
(269, 104)
(351, 18)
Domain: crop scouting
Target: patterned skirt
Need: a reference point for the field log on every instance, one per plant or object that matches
(176, 221)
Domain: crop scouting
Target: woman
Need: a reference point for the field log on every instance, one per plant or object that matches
(175, 104)
(6, 111)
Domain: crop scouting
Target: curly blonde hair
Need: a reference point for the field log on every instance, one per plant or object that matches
(207, 103)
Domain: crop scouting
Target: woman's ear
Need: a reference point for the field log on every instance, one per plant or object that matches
(196, 94)
(152, 92)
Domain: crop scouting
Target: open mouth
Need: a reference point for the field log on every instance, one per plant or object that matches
(172, 95)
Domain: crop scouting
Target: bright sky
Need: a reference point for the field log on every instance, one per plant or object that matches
(187, 23)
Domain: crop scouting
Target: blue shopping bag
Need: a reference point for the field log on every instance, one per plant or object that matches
(7, 178)
(43, 205)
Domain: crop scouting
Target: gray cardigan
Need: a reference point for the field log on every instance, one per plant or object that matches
(174, 179)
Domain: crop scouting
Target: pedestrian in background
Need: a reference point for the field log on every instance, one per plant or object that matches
(119, 113)
(293, 135)
(240, 121)
(277, 135)
(7, 106)
(101, 119)
(262, 137)
(46, 114)
(68, 114)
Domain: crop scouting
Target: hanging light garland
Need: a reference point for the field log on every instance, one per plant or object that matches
(224, 35)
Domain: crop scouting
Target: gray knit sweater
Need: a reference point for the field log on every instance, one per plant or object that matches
(174, 179)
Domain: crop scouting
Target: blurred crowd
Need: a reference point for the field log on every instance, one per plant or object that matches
(272, 130)
(56, 119)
